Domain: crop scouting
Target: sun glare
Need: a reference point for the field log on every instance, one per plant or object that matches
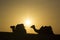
(27, 22)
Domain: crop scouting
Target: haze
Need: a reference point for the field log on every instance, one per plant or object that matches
(40, 12)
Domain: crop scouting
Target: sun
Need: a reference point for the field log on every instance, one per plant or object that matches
(27, 22)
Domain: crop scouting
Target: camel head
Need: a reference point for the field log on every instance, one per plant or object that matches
(12, 27)
(33, 26)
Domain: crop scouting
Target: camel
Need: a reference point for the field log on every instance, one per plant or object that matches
(43, 30)
(18, 29)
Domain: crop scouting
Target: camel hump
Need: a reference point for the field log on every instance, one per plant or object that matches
(46, 30)
(33, 26)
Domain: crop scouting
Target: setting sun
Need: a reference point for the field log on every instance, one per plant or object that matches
(27, 22)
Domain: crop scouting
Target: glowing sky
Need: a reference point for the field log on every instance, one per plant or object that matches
(40, 12)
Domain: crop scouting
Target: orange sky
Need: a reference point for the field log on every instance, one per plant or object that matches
(40, 12)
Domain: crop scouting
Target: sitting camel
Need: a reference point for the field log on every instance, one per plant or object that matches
(19, 29)
(43, 30)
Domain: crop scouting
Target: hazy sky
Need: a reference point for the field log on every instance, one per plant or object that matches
(40, 12)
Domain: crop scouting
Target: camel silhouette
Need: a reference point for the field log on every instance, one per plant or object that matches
(19, 29)
(43, 30)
